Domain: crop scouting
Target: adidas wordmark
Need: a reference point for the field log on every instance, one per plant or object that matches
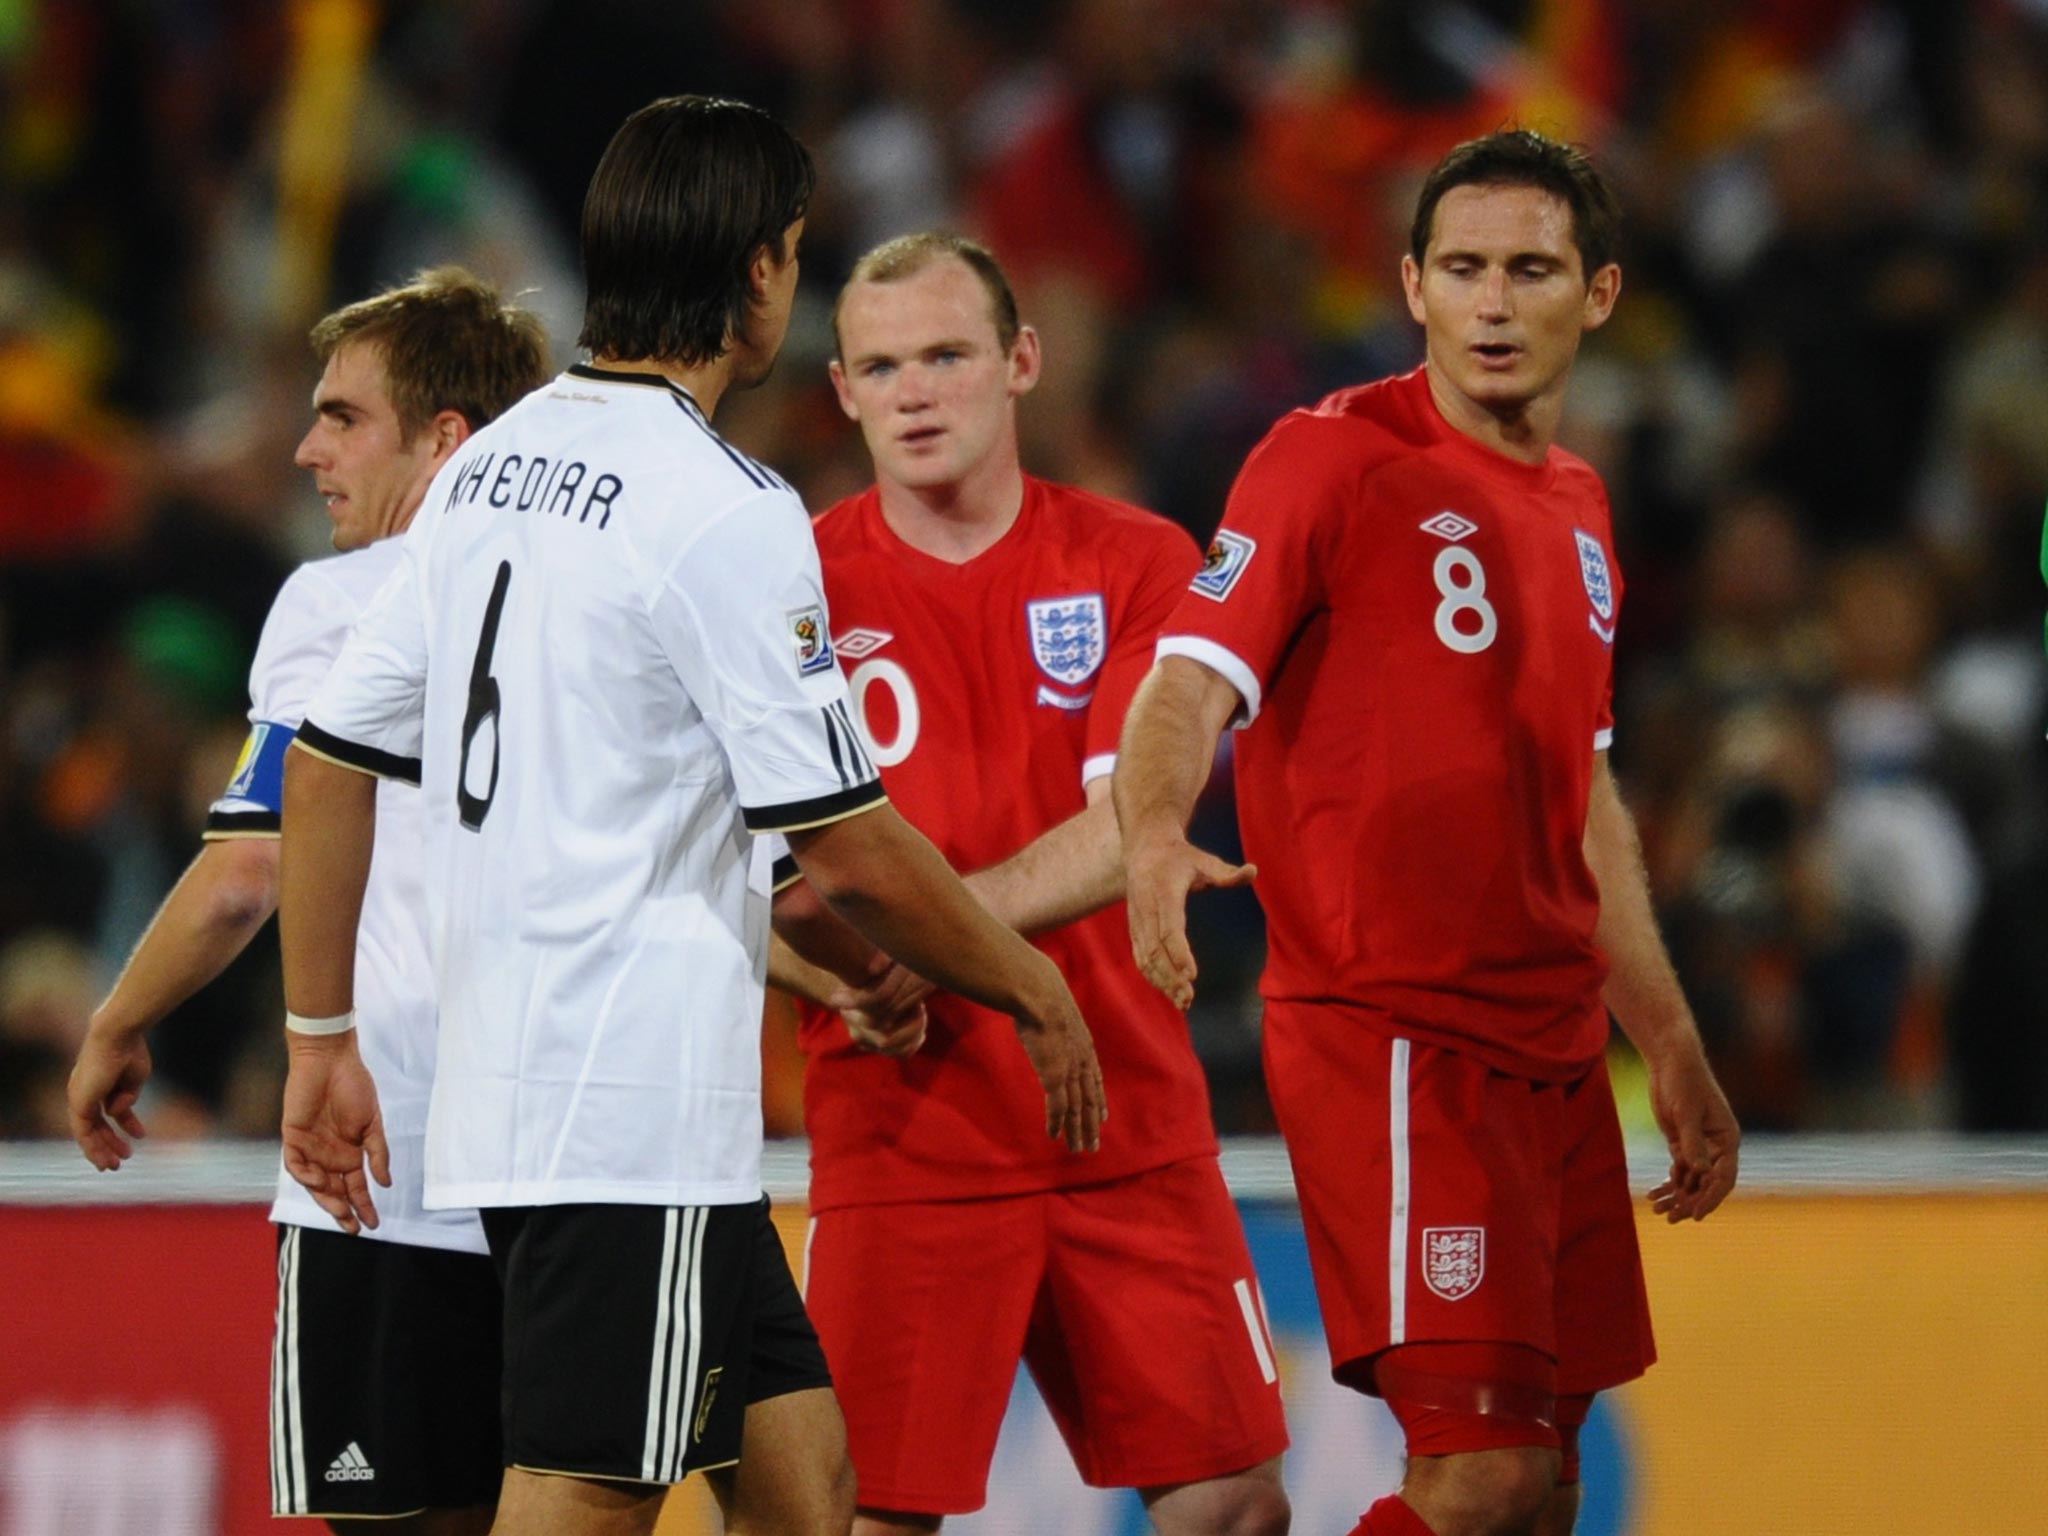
(351, 1466)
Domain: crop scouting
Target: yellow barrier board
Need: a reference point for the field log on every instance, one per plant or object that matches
(1832, 1365)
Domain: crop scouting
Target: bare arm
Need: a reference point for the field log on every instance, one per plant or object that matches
(225, 896)
(1169, 743)
(1643, 992)
(331, 1117)
(1060, 876)
(887, 880)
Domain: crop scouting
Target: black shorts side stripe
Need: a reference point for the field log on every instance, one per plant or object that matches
(353, 754)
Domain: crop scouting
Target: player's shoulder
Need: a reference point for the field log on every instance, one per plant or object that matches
(1577, 477)
(334, 589)
(840, 528)
(1355, 430)
(1077, 517)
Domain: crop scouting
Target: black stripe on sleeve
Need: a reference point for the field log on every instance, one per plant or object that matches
(838, 758)
(862, 766)
(784, 873)
(350, 754)
(242, 823)
(799, 814)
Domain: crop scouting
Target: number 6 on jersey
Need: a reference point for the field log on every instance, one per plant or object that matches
(484, 699)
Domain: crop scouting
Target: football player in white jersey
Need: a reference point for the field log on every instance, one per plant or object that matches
(606, 657)
(405, 1430)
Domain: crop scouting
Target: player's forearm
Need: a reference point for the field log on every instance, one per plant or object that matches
(792, 973)
(218, 905)
(330, 828)
(888, 881)
(1169, 744)
(1058, 878)
(814, 946)
(1642, 986)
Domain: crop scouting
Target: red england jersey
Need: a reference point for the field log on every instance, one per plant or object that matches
(1422, 631)
(989, 692)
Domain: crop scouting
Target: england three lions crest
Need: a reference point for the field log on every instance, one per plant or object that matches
(1069, 636)
(1593, 568)
(1453, 1260)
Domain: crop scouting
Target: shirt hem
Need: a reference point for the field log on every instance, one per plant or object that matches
(870, 1189)
(442, 1197)
(406, 1234)
(1489, 1053)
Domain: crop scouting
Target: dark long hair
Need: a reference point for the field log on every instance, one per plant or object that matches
(689, 190)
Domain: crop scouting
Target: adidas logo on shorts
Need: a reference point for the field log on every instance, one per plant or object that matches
(352, 1466)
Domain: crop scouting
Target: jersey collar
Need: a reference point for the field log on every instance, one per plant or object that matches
(642, 380)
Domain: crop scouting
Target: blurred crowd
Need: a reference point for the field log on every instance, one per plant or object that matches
(1822, 410)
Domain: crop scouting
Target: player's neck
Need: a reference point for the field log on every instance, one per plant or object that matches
(706, 382)
(1523, 433)
(960, 520)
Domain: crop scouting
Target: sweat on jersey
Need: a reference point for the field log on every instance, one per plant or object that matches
(1422, 634)
(395, 1019)
(991, 691)
(606, 657)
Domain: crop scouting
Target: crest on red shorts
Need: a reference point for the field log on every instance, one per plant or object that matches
(1453, 1260)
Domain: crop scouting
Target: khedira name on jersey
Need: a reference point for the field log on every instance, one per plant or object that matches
(530, 483)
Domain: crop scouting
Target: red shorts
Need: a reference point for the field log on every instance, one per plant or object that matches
(1446, 1201)
(1133, 1302)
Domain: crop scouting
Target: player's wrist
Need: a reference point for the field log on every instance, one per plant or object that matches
(319, 1027)
(107, 1029)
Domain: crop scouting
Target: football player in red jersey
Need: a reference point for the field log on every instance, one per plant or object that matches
(994, 627)
(1411, 605)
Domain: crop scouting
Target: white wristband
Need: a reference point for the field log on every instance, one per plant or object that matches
(299, 1024)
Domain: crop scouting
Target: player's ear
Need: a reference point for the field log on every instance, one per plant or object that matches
(1411, 285)
(448, 431)
(1025, 362)
(839, 388)
(1601, 293)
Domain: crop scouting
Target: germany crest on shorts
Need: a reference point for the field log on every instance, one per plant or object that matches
(1069, 636)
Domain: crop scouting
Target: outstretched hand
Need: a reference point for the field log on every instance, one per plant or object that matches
(1062, 1053)
(1700, 1128)
(333, 1126)
(106, 1080)
(1157, 882)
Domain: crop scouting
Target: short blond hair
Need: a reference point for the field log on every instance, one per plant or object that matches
(449, 342)
(908, 255)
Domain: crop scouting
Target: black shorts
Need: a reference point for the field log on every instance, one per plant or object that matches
(636, 1335)
(383, 1378)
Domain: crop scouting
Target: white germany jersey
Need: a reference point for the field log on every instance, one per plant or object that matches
(310, 619)
(606, 645)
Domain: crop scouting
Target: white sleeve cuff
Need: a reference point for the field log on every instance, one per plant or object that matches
(1226, 664)
(1602, 740)
(1093, 769)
